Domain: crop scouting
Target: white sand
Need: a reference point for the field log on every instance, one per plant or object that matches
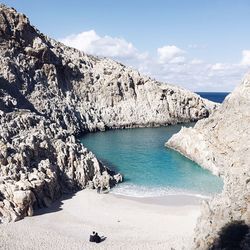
(127, 224)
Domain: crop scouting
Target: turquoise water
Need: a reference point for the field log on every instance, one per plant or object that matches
(149, 168)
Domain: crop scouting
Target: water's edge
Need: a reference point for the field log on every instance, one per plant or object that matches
(141, 193)
(139, 154)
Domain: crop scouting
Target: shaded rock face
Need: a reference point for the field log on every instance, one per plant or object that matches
(221, 143)
(40, 161)
(48, 94)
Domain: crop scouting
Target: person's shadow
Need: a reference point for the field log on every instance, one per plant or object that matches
(103, 238)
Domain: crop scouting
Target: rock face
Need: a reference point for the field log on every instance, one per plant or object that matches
(39, 161)
(48, 94)
(81, 92)
(221, 143)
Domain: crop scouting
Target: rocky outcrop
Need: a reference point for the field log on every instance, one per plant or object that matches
(40, 161)
(221, 143)
(81, 92)
(48, 94)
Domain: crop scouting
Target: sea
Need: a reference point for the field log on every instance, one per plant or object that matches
(149, 168)
(214, 96)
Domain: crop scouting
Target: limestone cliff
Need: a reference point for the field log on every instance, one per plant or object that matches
(48, 94)
(221, 143)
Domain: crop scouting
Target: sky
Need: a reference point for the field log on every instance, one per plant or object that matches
(199, 45)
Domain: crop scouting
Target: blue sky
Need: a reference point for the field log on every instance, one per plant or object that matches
(210, 39)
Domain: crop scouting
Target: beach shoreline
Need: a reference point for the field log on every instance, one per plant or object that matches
(128, 223)
(171, 200)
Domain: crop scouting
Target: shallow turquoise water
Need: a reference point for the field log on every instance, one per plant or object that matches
(149, 168)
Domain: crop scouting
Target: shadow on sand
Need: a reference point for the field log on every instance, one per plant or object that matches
(233, 236)
(103, 238)
(56, 206)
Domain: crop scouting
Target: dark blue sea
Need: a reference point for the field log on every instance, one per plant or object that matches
(214, 96)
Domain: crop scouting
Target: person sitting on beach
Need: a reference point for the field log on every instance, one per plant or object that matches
(92, 237)
(97, 238)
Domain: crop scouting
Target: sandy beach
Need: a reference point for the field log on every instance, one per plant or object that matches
(128, 223)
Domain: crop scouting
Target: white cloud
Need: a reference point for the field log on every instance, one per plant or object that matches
(220, 66)
(196, 61)
(245, 57)
(168, 64)
(171, 54)
(82, 41)
(106, 46)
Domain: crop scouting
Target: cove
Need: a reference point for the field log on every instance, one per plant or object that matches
(149, 168)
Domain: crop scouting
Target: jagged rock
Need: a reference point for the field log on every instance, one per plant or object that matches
(85, 93)
(40, 161)
(221, 143)
(49, 93)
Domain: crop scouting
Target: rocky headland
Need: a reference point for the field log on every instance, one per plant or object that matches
(221, 143)
(49, 94)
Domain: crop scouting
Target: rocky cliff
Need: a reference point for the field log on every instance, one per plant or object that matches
(221, 143)
(48, 94)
